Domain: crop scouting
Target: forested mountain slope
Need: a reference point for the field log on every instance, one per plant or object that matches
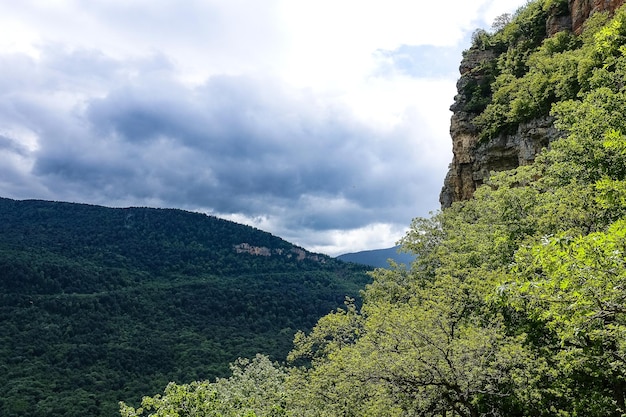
(378, 258)
(99, 305)
(516, 304)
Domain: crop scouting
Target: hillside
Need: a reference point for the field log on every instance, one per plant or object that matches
(516, 304)
(378, 258)
(99, 305)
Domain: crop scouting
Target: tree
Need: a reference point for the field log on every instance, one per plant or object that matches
(516, 303)
(255, 389)
(576, 285)
(501, 21)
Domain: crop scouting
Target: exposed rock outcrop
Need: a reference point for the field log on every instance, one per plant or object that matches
(580, 10)
(474, 159)
(299, 254)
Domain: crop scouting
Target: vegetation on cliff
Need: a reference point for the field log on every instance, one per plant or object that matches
(530, 73)
(516, 303)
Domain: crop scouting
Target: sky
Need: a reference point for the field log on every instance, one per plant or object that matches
(324, 122)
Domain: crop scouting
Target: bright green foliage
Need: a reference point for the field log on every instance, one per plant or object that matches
(611, 39)
(577, 284)
(425, 357)
(426, 341)
(255, 389)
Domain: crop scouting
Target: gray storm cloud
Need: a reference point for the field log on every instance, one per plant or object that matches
(323, 122)
(234, 144)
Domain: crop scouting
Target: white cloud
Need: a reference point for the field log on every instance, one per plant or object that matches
(320, 121)
(372, 236)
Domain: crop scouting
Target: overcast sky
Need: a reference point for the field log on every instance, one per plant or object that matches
(324, 122)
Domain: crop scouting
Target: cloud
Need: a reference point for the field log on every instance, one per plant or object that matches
(235, 144)
(324, 123)
(419, 61)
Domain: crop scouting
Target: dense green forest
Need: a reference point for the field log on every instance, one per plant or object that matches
(516, 303)
(99, 305)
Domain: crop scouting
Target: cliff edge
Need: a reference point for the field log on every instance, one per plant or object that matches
(475, 154)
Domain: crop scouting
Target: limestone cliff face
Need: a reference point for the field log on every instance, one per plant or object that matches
(580, 10)
(473, 159)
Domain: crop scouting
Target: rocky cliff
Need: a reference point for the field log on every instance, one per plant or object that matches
(580, 10)
(474, 157)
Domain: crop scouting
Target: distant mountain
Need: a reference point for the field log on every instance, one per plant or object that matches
(99, 305)
(378, 258)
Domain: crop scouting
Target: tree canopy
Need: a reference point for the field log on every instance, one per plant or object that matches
(99, 305)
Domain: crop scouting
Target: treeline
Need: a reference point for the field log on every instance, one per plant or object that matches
(99, 305)
(516, 304)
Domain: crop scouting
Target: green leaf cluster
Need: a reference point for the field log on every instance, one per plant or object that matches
(532, 72)
(255, 389)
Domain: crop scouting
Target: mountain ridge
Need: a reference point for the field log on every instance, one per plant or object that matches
(106, 304)
(378, 258)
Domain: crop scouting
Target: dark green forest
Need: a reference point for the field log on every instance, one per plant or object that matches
(99, 305)
(516, 303)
